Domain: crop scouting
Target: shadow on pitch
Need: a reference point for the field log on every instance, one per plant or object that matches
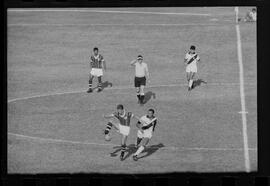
(198, 82)
(106, 84)
(148, 95)
(131, 149)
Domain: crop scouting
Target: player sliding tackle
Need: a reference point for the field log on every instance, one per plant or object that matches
(191, 60)
(141, 72)
(146, 127)
(123, 127)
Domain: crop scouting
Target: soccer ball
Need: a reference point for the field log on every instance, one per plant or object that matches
(107, 137)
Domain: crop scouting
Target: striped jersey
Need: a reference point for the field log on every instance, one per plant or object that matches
(150, 123)
(124, 119)
(96, 61)
(192, 58)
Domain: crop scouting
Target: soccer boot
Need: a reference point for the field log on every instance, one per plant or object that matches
(135, 157)
(89, 90)
(122, 156)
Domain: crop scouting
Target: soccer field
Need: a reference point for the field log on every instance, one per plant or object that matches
(54, 126)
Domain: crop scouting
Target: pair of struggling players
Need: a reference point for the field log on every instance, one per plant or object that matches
(98, 64)
(146, 126)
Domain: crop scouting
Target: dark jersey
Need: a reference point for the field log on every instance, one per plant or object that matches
(124, 119)
(96, 61)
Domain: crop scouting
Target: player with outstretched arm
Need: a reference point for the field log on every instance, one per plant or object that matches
(123, 127)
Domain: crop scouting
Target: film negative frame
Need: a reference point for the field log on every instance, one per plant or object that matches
(206, 179)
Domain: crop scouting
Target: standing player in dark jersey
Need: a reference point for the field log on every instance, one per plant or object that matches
(97, 64)
(123, 127)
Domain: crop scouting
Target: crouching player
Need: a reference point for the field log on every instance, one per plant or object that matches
(123, 127)
(146, 127)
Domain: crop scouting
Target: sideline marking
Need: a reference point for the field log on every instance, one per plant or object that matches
(242, 94)
(116, 88)
(110, 144)
(104, 11)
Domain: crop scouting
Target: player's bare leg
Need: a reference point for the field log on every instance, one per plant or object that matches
(138, 141)
(138, 94)
(99, 83)
(90, 82)
(123, 147)
(144, 142)
(192, 74)
(189, 75)
(141, 94)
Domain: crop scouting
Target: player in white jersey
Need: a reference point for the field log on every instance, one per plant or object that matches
(251, 16)
(141, 74)
(191, 60)
(146, 127)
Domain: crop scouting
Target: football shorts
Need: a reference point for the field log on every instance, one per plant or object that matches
(144, 134)
(124, 129)
(191, 68)
(138, 81)
(96, 72)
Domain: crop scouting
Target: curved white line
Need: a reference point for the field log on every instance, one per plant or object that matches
(109, 144)
(116, 88)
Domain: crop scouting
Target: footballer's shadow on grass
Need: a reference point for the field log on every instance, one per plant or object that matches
(151, 150)
(198, 82)
(106, 84)
(148, 95)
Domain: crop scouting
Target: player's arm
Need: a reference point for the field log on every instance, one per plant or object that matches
(139, 119)
(108, 116)
(147, 73)
(132, 63)
(90, 64)
(104, 65)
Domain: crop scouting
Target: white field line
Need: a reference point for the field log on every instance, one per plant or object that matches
(100, 24)
(118, 88)
(113, 145)
(105, 11)
(242, 94)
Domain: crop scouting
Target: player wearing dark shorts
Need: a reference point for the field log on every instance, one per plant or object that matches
(141, 73)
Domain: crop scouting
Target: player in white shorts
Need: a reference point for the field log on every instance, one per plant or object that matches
(251, 16)
(97, 65)
(191, 60)
(146, 127)
(123, 127)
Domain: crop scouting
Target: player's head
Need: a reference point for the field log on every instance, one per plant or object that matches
(253, 10)
(192, 48)
(140, 58)
(120, 108)
(150, 112)
(95, 50)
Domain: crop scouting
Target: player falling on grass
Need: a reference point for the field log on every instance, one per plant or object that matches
(97, 65)
(191, 60)
(146, 127)
(251, 16)
(141, 73)
(123, 127)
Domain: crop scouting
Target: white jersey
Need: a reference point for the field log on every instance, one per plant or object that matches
(194, 57)
(147, 133)
(253, 15)
(141, 70)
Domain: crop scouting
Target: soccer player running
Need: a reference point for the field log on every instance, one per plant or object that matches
(141, 73)
(123, 127)
(191, 60)
(146, 127)
(97, 65)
